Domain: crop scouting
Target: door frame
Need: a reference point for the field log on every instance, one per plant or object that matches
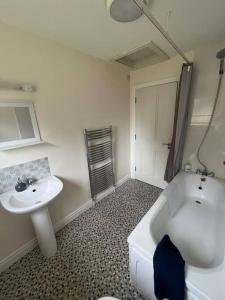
(133, 114)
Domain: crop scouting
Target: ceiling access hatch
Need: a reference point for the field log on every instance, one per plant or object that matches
(146, 55)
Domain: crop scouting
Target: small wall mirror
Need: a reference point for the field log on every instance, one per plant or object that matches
(18, 125)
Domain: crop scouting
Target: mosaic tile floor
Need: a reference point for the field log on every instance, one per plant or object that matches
(92, 256)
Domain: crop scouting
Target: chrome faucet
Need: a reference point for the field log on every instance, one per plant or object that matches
(28, 180)
(23, 183)
(205, 172)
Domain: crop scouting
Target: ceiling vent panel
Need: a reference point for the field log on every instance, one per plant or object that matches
(146, 55)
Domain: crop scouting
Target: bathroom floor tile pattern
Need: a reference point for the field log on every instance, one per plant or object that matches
(92, 256)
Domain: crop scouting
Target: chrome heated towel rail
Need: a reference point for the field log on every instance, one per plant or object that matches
(100, 159)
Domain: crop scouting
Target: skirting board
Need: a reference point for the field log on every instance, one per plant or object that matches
(70, 217)
(6, 262)
(112, 189)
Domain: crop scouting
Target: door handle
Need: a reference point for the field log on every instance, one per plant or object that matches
(169, 145)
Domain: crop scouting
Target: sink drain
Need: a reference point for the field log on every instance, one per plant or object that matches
(34, 190)
(198, 202)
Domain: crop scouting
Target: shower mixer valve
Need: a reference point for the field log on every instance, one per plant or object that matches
(205, 173)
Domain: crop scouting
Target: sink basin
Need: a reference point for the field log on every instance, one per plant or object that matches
(34, 200)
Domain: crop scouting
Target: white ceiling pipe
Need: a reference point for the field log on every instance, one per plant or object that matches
(146, 11)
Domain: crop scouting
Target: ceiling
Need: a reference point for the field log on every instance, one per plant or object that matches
(85, 24)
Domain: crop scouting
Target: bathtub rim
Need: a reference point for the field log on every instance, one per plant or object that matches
(141, 239)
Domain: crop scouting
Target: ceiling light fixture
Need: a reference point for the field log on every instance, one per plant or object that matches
(124, 10)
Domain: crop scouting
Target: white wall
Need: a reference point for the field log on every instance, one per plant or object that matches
(206, 70)
(74, 91)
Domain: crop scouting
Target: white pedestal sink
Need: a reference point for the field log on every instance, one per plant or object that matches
(34, 200)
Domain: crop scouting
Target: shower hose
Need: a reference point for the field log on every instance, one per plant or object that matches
(210, 123)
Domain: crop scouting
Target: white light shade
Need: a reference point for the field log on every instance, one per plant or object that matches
(123, 10)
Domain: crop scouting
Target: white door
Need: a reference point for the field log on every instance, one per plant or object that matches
(154, 117)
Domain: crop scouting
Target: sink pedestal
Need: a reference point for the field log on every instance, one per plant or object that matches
(44, 231)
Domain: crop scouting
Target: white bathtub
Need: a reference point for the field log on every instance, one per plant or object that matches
(195, 221)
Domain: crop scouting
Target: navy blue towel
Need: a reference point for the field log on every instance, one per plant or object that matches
(169, 274)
